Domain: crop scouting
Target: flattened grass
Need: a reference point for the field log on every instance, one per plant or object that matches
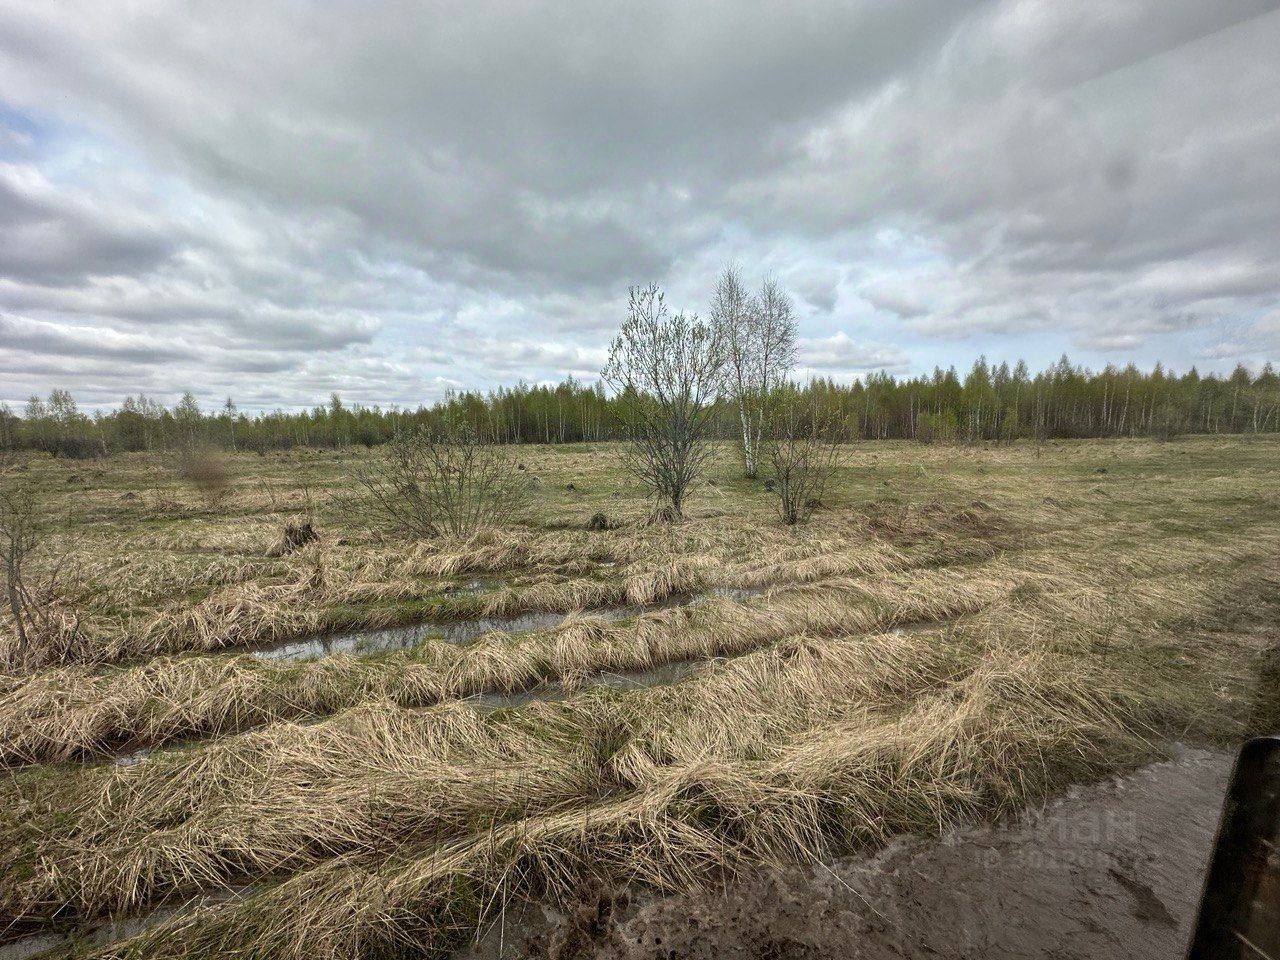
(1070, 623)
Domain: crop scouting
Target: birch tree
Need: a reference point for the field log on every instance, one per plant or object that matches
(760, 340)
(667, 371)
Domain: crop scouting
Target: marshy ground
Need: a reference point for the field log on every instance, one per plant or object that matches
(959, 632)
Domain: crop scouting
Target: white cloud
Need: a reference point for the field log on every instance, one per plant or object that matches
(386, 198)
(840, 353)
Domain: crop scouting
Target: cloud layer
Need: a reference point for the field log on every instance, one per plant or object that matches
(277, 201)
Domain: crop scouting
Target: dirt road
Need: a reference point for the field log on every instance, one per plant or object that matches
(1110, 870)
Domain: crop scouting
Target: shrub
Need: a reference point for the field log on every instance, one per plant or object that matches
(802, 451)
(439, 480)
(294, 537)
(668, 371)
(44, 623)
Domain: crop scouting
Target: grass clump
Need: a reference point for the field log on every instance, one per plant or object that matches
(960, 632)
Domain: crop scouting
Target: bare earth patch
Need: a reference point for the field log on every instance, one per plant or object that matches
(1111, 870)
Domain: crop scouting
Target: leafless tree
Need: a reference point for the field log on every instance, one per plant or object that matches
(802, 450)
(43, 623)
(760, 343)
(668, 370)
(436, 480)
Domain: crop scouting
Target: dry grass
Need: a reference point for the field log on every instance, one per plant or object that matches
(60, 714)
(849, 747)
(1067, 624)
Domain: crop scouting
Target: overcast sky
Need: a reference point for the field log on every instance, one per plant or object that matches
(278, 200)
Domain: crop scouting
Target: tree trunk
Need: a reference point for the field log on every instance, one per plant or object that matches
(748, 442)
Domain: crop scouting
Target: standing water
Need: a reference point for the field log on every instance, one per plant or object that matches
(464, 631)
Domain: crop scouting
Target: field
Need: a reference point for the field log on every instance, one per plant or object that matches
(958, 632)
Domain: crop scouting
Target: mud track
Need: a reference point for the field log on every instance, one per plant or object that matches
(1110, 870)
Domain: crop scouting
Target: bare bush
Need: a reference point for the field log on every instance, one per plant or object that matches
(439, 480)
(668, 371)
(207, 472)
(802, 451)
(44, 623)
(271, 491)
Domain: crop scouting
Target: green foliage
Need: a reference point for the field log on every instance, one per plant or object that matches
(937, 427)
(989, 403)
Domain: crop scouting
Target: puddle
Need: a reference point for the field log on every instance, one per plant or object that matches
(1112, 869)
(728, 593)
(131, 758)
(102, 934)
(464, 631)
(617, 680)
(471, 587)
(400, 638)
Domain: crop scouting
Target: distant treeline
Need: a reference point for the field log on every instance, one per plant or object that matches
(988, 403)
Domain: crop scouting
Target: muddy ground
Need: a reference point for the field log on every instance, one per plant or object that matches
(1110, 870)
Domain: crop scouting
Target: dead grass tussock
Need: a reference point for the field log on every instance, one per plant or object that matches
(798, 709)
(68, 711)
(1087, 629)
(302, 794)
(306, 808)
(235, 616)
(248, 601)
(1011, 726)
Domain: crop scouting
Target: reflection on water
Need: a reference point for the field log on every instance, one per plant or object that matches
(399, 638)
(464, 631)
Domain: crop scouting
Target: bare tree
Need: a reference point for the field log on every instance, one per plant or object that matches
(802, 450)
(760, 343)
(668, 370)
(439, 480)
(43, 623)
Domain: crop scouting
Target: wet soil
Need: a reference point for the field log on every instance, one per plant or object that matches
(1110, 870)
(464, 631)
(100, 934)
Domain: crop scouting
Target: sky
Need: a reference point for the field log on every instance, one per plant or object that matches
(389, 199)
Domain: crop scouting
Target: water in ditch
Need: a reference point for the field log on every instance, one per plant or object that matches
(464, 631)
(110, 931)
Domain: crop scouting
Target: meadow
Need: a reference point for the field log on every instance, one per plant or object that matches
(959, 631)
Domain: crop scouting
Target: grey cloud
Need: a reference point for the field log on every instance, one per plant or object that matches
(47, 235)
(49, 339)
(817, 286)
(490, 136)
(839, 352)
(1078, 180)
(374, 197)
(301, 329)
